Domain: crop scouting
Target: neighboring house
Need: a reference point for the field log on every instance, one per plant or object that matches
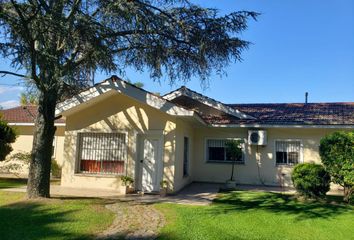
(22, 118)
(115, 128)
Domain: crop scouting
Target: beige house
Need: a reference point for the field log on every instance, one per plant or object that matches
(22, 119)
(114, 129)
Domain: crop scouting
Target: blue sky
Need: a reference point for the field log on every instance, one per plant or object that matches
(298, 46)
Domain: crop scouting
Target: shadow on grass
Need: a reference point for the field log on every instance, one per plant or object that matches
(12, 182)
(31, 220)
(277, 203)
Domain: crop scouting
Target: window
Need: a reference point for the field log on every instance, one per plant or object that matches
(216, 151)
(102, 153)
(186, 157)
(287, 152)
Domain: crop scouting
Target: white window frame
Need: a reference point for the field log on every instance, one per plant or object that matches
(301, 155)
(78, 149)
(224, 162)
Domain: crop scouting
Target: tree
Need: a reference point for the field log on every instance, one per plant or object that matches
(62, 42)
(7, 136)
(234, 151)
(137, 84)
(28, 99)
(337, 155)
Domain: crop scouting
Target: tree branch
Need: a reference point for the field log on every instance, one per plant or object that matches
(14, 74)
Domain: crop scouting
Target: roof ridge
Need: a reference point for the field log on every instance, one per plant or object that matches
(292, 103)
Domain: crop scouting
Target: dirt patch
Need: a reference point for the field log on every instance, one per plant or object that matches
(133, 221)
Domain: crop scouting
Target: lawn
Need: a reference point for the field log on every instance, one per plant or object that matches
(56, 218)
(12, 182)
(254, 215)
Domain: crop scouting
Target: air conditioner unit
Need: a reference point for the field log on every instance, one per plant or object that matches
(257, 137)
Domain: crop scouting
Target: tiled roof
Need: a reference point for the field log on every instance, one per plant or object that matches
(22, 114)
(341, 113)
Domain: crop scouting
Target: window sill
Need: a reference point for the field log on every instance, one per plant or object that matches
(225, 162)
(97, 175)
(284, 165)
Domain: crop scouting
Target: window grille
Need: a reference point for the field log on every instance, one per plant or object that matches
(102, 153)
(287, 152)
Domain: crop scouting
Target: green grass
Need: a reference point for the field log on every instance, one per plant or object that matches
(12, 182)
(58, 218)
(242, 215)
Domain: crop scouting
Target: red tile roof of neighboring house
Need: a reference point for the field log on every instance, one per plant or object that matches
(22, 114)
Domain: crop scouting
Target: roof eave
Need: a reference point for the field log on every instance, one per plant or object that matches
(207, 101)
(116, 85)
(333, 126)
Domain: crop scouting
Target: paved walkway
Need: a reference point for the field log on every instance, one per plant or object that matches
(193, 194)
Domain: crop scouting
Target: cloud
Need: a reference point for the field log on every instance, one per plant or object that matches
(8, 89)
(9, 104)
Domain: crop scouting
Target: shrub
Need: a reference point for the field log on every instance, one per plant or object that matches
(311, 180)
(7, 136)
(55, 169)
(127, 181)
(16, 162)
(337, 155)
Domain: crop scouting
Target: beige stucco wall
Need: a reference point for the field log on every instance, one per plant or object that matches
(184, 128)
(117, 112)
(124, 114)
(24, 143)
(266, 172)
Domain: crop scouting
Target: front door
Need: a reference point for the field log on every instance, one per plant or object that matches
(151, 163)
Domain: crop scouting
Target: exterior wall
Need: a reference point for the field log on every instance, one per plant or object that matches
(24, 143)
(117, 113)
(266, 172)
(183, 129)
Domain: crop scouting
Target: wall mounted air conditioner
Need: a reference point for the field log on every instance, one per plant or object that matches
(257, 137)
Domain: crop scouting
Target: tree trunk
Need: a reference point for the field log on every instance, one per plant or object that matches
(38, 185)
(348, 191)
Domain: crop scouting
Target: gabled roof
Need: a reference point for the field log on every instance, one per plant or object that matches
(23, 115)
(188, 103)
(184, 91)
(115, 85)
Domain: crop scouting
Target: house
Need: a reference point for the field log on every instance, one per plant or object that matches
(22, 119)
(115, 128)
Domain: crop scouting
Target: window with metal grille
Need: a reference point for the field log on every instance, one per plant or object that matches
(287, 152)
(102, 153)
(186, 157)
(216, 151)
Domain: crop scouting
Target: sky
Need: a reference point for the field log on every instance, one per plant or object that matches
(297, 47)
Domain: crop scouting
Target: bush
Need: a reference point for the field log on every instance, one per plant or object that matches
(16, 163)
(7, 136)
(337, 155)
(127, 181)
(55, 169)
(311, 180)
